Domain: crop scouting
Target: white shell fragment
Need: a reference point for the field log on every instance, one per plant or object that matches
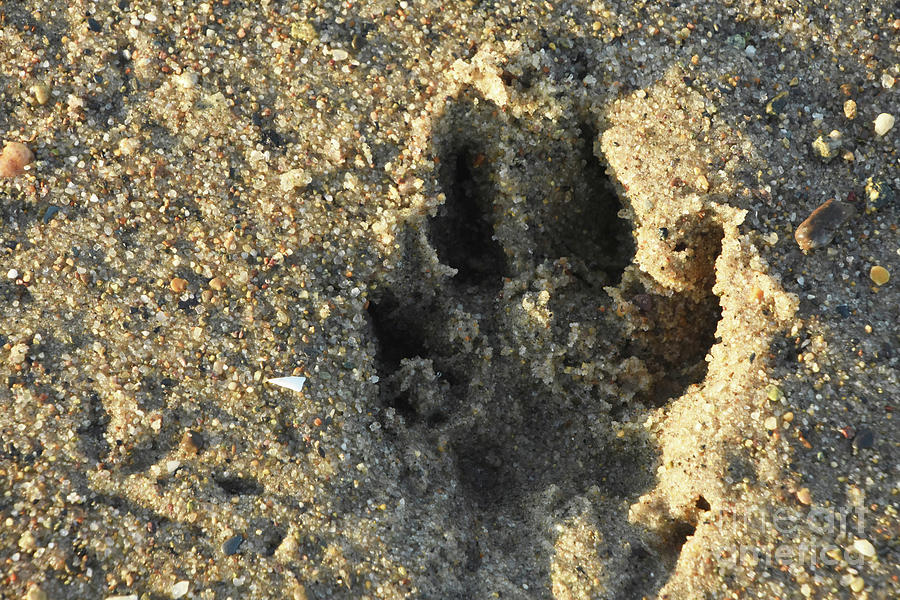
(291, 383)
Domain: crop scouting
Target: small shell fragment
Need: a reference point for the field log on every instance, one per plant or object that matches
(291, 383)
(822, 224)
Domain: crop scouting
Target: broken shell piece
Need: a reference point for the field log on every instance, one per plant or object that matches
(291, 383)
(822, 224)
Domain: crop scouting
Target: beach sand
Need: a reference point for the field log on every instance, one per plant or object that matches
(536, 261)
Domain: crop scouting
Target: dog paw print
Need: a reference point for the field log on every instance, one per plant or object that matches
(517, 327)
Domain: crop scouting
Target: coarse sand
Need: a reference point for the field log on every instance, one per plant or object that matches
(540, 263)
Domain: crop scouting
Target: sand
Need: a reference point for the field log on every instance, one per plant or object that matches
(536, 261)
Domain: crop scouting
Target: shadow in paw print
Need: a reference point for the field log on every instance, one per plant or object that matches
(462, 232)
(584, 224)
(516, 436)
(404, 331)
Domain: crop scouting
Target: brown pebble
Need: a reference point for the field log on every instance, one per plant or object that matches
(702, 183)
(217, 283)
(14, 158)
(178, 284)
(190, 443)
(804, 496)
(822, 224)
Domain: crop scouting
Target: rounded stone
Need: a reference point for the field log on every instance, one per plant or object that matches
(879, 275)
(14, 158)
(883, 123)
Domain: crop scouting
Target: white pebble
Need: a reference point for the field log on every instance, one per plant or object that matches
(339, 54)
(12, 274)
(887, 81)
(180, 589)
(864, 547)
(188, 80)
(883, 123)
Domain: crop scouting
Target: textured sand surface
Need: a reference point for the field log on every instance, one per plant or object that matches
(536, 260)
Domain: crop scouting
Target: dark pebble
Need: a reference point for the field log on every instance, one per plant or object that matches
(864, 439)
(51, 211)
(822, 224)
(843, 310)
(272, 138)
(94, 25)
(879, 193)
(776, 105)
(188, 304)
(232, 544)
(663, 233)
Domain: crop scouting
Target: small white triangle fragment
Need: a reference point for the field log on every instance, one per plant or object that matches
(291, 383)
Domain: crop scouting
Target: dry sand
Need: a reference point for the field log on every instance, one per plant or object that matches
(535, 259)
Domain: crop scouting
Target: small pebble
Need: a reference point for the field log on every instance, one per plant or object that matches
(771, 423)
(12, 274)
(49, 214)
(128, 146)
(217, 283)
(883, 123)
(857, 584)
(14, 158)
(879, 275)
(843, 310)
(339, 54)
(804, 496)
(737, 40)
(776, 105)
(702, 183)
(41, 93)
(27, 542)
(822, 224)
(17, 355)
(887, 81)
(827, 147)
(190, 443)
(864, 439)
(180, 589)
(178, 285)
(232, 544)
(36, 593)
(850, 109)
(188, 80)
(864, 547)
(878, 193)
